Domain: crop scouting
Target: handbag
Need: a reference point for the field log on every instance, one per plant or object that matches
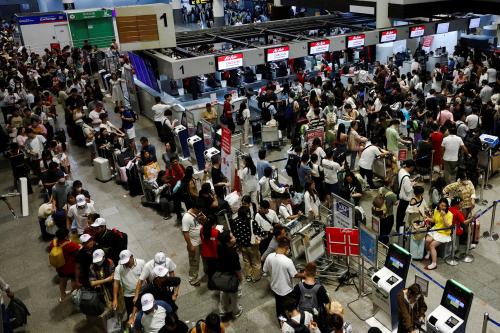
(224, 281)
(91, 303)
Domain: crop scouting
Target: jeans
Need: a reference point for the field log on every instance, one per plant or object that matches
(251, 261)
(369, 176)
(353, 159)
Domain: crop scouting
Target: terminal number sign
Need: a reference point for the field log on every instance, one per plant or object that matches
(356, 41)
(417, 31)
(388, 36)
(319, 47)
(277, 53)
(229, 61)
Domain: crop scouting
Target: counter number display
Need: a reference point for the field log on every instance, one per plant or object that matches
(230, 61)
(417, 31)
(442, 28)
(474, 22)
(277, 53)
(318, 47)
(388, 35)
(356, 41)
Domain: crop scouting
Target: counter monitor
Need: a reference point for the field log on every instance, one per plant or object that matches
(277, 53)
(474, 22)
(230, 61)
(356, 41)
(318, 47)
(442, 28)
(388, 35)
(417, 31)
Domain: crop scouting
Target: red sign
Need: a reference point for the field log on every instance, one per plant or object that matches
(319, 47)
(341, 241)
(403, 154)
(356, 41)
(313, 134)
(225, 143)
(417, 31)
(277, 53)
(388, 35)
(229, 61)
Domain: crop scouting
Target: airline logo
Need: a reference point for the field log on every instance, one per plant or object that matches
(356, 41)
(388, 36)
(318, 47)
(278, 53)
(230, 61)
(41, 19)
(417, 31)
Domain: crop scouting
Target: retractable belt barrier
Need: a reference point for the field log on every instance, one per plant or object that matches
(486, 319)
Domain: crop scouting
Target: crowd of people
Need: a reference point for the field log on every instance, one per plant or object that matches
(437, 117)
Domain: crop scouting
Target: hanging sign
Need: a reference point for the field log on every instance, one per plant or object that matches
(356, 41)
(227, 163)
(318, 47)
(388, 35)
(230, 61)
(74, 16)
(343, 212)
(277, 53)
(41, 19)
(417, 31)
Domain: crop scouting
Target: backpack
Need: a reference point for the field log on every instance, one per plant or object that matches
(266, 113)
(18, 313)
(289, 111)
(239, 118)
(396, 187)
(439, 76)
(56, 255)
(292, 165)
(308, 300)
(299, 327)
(91, 303)
(123, 237)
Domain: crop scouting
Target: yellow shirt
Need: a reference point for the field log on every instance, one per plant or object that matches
(209, 116)
(439, 222)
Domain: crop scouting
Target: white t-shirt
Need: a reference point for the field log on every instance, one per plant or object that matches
(368, 156)
(311, 204)
(190, 224)
(492, 75)
(35, 145)
(159, 111)
(285, 211)
(81, 214)
(147, 270)
(154, 321)
(128, 277)
(321, 154)
(331, 169)
(451, 144)
(472, 121)
(94, 115)
(308, 317)
(263, 223)
(282, 271)
(249, 182)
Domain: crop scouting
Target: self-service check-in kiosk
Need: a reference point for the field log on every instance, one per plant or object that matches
(211, 152)
(387, 282)
(196, 149)
(181, 137)
(452, 313)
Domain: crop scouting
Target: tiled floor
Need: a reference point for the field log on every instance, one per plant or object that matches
(23, 260)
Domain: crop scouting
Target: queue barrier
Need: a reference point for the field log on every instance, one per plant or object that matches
(487, 319)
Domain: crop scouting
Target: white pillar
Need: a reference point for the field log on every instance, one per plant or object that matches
(382, 10)
(218, 10)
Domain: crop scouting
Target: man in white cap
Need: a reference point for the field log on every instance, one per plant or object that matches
(160, 259)
(84, 260)
(151, 318)
(80, 211)
(127, 274)
(101, 272)
(111, 241)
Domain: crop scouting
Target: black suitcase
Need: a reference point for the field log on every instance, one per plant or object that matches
(134, 182)
(257, 132)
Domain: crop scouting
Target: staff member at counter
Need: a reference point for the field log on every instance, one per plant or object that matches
(159, 114)
(209, 114)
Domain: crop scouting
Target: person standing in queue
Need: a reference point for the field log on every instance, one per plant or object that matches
(411, 309)
(228, 112)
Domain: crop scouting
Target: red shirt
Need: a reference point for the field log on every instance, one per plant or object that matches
(209, 246)
(176, 172)
(69, 251)
(458, 219)
(227, 108)
(437, 140)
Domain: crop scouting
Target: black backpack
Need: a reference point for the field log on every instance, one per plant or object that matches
(18, 313)
(91, 303)
(292, 164)
(266, 113)
(439, 76)
(299, 327)
(239, 118)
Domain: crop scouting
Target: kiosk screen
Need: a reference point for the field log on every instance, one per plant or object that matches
(457, 299)
(398, 261)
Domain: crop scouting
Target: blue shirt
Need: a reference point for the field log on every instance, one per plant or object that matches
(126, 124)
(304, 173)
(261, 166)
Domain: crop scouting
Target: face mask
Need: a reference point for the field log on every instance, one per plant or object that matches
(100, 263)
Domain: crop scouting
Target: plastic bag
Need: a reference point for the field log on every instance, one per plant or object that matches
(234, 201)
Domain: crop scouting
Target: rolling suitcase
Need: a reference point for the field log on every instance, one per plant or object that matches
(133, 180)
(101, 169)
(417, 248)
(476, 231)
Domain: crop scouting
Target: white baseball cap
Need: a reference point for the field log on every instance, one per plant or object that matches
(80, 200)
(160, 258)
(147, 302)
(99, 222)
(160, 271)
(124, 257)
(85, 238)
(97, 256)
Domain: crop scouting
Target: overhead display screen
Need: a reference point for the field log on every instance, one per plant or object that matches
(388, 35)
(230, 61)
(474, 22)
(442, 28)
(318, 47)
(356, 41)
(417, 31)
(277, 53)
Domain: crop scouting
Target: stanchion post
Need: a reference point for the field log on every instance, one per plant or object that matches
(488, 167)
(451, 260)
(468, 257)
(361, 276)
(485, 322)
(482, 201)
(492, 224)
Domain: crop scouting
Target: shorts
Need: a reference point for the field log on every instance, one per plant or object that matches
(131, 133)
(70, 276)
(439, 237)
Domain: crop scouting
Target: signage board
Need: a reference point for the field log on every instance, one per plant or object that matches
(356, 41)
(313, 134)
(229, 61)
(343, 212)
(199, 2)
(227, 164)
(318, 47)
(442, 28)
(342, 241)
(92, 14)
(402, 154)
(368, 245)
(42, 19)
(388, 35)
(277, 53)
(417, 31)
(474, 22)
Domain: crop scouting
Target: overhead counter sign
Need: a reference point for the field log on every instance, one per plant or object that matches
(230, 61)
(388, 35)
(49, 18)
(417, 31)
(92, 14)
(277, 53)
(318, 47)
(356, 41)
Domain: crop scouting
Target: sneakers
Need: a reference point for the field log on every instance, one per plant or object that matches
(238, 314)
(249, 279)
(473, 246)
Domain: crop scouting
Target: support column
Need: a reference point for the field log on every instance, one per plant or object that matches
(218, 10)
(68, 4)
(382, 11)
